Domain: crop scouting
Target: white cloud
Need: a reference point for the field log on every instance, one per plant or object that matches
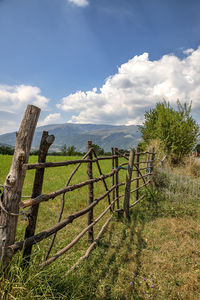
(50, 119)
(137, 86)
(15, 98)
(79, 2)
(13, 102)
(188, 51)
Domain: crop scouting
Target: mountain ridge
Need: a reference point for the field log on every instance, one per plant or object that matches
(106, 136)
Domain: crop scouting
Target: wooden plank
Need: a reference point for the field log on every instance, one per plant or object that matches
(14, 182)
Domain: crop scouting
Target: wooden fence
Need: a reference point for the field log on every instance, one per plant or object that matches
(11, 204)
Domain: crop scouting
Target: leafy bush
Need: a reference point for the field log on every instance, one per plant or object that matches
(176, 129)
(160, 179)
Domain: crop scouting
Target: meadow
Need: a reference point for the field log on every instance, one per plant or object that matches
(155, 255)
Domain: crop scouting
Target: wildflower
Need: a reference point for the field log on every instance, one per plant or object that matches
(145, 279)
(152, 285)
(131, 283)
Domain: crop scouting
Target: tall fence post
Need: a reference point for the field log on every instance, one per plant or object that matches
(14, 183)
(113, 176)
(117, 177)
(91, 195)
(137, 172)
(128, 184)
(46, 142)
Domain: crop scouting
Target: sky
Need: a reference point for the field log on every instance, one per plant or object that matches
(97, 61)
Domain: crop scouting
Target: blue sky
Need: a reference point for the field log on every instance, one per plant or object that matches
(97, 61)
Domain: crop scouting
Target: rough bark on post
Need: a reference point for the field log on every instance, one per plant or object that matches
(117, 177)
(91, 195)
(46, 142)
(14, 182)
(128, 184)
(137, 172)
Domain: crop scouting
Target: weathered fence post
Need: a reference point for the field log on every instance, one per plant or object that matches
(137, 172)
(113, 176)
(128, 184)
(46, 142)
(91, 195)
(14, 183)
(117, 177)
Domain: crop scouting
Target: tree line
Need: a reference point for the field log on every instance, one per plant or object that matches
(71, 151)
(65, 151)
(6, 150)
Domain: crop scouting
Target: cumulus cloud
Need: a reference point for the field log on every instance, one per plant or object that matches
(14, 98)
(79, 2)
(13, 102)
(137, 86)
(50, 119)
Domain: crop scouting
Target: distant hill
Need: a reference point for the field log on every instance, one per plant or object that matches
(106, 136)
(6, 145)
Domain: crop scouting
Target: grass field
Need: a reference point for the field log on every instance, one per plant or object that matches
(154, 256)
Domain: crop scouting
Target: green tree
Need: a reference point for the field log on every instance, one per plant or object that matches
(6, 150)
(98, 149)
(71, 150)
(64, 150)
(176, 129)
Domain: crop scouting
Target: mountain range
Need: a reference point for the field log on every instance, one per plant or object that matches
(106, 136)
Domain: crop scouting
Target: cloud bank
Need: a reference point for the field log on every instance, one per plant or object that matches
(137, 86)
(123, 98)
(13, 102)
(80, 3)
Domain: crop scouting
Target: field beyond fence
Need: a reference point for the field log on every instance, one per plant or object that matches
(103, 187)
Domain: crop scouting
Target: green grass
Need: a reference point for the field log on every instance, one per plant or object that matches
(153, 256)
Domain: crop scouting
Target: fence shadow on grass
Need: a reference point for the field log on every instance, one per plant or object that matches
(122, 246)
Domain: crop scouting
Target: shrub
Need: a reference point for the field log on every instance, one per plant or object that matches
(176, 129)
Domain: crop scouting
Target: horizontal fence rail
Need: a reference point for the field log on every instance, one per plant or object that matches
(64, 163)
